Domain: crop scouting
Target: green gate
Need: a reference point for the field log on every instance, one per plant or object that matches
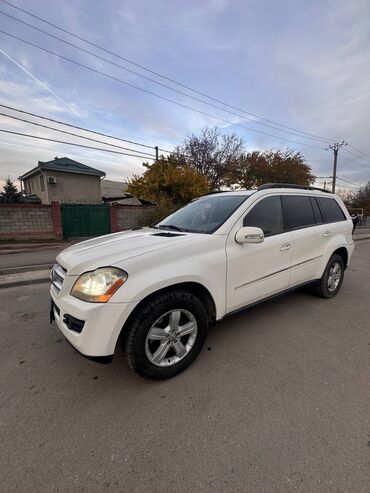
(85, 220)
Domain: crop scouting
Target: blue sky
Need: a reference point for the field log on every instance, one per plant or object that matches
(304, 64)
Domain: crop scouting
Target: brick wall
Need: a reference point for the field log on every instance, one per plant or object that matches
(29, 221)
(36, 221)
(128, 217)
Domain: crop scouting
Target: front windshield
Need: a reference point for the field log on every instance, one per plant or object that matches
(204, 215)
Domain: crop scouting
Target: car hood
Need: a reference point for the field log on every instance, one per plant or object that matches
(117, 247)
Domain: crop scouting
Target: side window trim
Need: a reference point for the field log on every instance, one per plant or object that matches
(314, 200)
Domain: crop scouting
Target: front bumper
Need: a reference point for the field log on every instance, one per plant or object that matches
(102, 325)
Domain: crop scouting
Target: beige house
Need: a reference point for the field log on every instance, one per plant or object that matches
(64, 180)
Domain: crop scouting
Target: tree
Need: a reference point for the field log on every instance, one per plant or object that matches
(361, 199)
(168, 183)
(212, 154)
(10, 194)
(345, 195)
(257, 167)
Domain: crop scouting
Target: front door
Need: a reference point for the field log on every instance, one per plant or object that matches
(257, 271)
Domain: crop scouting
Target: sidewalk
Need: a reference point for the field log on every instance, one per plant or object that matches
(23, 255)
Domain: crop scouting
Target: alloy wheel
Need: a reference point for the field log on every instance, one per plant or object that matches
(171, 337)
(334, 276)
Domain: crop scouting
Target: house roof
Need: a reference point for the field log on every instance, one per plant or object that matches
(63, 164)
(113, 189)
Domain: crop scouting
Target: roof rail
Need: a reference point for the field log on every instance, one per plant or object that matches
(289, 185)
(217, 191)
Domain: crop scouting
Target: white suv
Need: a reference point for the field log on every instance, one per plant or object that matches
(158, 288)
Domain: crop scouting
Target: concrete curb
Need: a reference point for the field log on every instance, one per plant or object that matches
(24, 282)
(26, 268)
(24, 278)
(362, 237)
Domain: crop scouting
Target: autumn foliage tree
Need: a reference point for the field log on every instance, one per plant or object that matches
(224, 161)
(258, 167)
(212, 154)
(168, 183)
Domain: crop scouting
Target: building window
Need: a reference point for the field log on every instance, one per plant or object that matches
(42, 183)
(30, 186)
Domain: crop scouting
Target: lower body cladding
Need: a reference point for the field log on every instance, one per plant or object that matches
(92, 328)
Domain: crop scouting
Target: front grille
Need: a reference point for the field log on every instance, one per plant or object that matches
(57, 276)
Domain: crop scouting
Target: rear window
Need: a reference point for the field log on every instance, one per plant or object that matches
(331, 210)
(298, 212)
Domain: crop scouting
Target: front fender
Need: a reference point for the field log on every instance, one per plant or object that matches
(205, 266)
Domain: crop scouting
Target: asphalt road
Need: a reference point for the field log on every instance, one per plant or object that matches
(278, 401)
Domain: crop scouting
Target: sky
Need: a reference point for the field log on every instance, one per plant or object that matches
(302, 64)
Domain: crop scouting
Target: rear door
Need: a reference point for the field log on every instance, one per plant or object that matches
(302, 217)
(257, 271)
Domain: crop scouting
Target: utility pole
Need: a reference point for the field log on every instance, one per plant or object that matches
(335, 148)
(156, 153)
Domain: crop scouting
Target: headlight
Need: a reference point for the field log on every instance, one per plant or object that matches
(99, 285)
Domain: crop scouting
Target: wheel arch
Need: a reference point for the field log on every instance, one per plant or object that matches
(193, 287)
(342, 252)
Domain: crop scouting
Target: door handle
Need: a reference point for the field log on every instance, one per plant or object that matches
(326, 234)
(286, 246)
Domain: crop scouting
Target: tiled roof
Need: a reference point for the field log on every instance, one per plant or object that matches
(69, 165)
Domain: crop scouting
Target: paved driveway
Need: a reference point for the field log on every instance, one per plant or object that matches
(278, 401)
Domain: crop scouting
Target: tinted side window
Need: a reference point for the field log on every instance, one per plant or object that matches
(267, 215)
(331, 210)
(316, 211)
(298, 212)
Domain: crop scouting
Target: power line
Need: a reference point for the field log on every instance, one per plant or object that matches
(162, 84)
(71, 133)
(356, 162)
(73, 144)
(338, 178)
(347, 186)
(36, 149)
(359, 157)
(155, 94)
(77, 127)
(350, 182)
(158, 74)
(358, 150)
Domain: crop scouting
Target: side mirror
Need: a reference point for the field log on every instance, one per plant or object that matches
(249, 234)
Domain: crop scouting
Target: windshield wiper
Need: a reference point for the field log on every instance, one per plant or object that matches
(170, 226)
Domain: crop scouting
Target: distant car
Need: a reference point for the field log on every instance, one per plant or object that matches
(158, 288)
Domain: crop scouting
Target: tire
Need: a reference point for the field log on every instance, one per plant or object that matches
(326, 287)
(151, 334)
